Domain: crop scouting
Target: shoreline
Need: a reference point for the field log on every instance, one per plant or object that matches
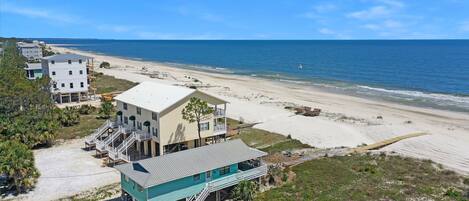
(345, 120)
(406, 97)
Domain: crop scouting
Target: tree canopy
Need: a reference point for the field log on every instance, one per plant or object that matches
(17, 163)
(26, 108)
(195, 111)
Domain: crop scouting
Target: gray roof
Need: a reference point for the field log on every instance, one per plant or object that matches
(28, 45)
(65, 57)
(33, 66)
(169, 167)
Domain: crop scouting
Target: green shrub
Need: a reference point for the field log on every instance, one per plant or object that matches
(86, 109)
(105, 64)
(17, 163)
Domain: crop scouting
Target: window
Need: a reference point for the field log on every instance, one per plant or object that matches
(70, 72)
(126, 120)
(196, 177)
(224, 170)
(71, 85)
(125, 106)
(154, 116)
(139, 111)
(52, 62)
(69, 61)
(139, 125)
(204, 126)
(126, 178)
(208, 174)
(79, 61)
(82, 84)
(154, 131)
(81, 72)
(63, 85)
(55, 86)
(53, 72)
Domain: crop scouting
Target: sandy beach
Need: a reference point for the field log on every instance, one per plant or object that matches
(345, 120)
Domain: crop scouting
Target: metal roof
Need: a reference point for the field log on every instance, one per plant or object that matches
(28, 45)
(65, 57)
(169, 167)
(33, 66)
(154, 96)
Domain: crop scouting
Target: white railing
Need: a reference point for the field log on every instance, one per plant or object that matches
(141, 136)
(219, 112)
(101, 145)
(92, 138)
(221, 183)
(219, 128)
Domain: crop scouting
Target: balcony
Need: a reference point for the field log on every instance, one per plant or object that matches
(219, 113)
(219, 129)
(200, 191)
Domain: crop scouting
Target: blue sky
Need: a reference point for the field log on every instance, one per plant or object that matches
(236, 19)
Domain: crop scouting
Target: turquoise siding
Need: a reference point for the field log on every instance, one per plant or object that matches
(131, 188)
(184, 187)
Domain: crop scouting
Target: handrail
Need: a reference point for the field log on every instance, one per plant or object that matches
(243, 175)
(107, 124)
(219, 127)
(110, 139)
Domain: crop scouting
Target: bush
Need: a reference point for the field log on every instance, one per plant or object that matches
(17, 163)
(453, 193)
(106, 109)
(105, 64)
(69, 116)
(289, 136)
(86, 109)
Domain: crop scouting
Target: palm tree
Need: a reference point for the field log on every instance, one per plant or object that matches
(195, 111)
(245, 191)
(17, 163)
(106, 109)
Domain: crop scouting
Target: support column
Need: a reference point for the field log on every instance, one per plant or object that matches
(217, 195)
(153, 148)
(145, 148)
(138, 146)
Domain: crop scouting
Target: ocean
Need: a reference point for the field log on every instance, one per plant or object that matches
(426, 73)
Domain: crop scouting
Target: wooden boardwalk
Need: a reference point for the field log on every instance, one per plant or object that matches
(386, 142)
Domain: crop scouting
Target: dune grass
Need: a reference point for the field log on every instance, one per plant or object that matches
(365, 177)
(267, 141)
(87, 125)
(106, 84)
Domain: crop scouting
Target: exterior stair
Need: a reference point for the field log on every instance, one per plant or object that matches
(102, 145)
(116, 153)
(91, 139)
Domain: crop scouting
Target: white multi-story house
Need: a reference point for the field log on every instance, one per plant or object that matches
(149, 123)
(32, 51)
(69, 76)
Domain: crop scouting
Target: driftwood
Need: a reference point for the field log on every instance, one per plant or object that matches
(305, 111)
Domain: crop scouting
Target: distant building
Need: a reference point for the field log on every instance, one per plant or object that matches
(33, 70)
(32, 51)
(193, 175)
(69, 76)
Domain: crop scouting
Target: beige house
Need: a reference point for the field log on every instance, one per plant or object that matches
(149, 123)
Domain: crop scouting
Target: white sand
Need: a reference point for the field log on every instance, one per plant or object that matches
(260, 100)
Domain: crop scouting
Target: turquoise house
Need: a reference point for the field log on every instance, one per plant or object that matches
(207, 172)
(33, 70)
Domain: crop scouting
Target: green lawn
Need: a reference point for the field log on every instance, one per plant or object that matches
(106, 84)
(265, 140)
(362, 177)
(88, 123)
